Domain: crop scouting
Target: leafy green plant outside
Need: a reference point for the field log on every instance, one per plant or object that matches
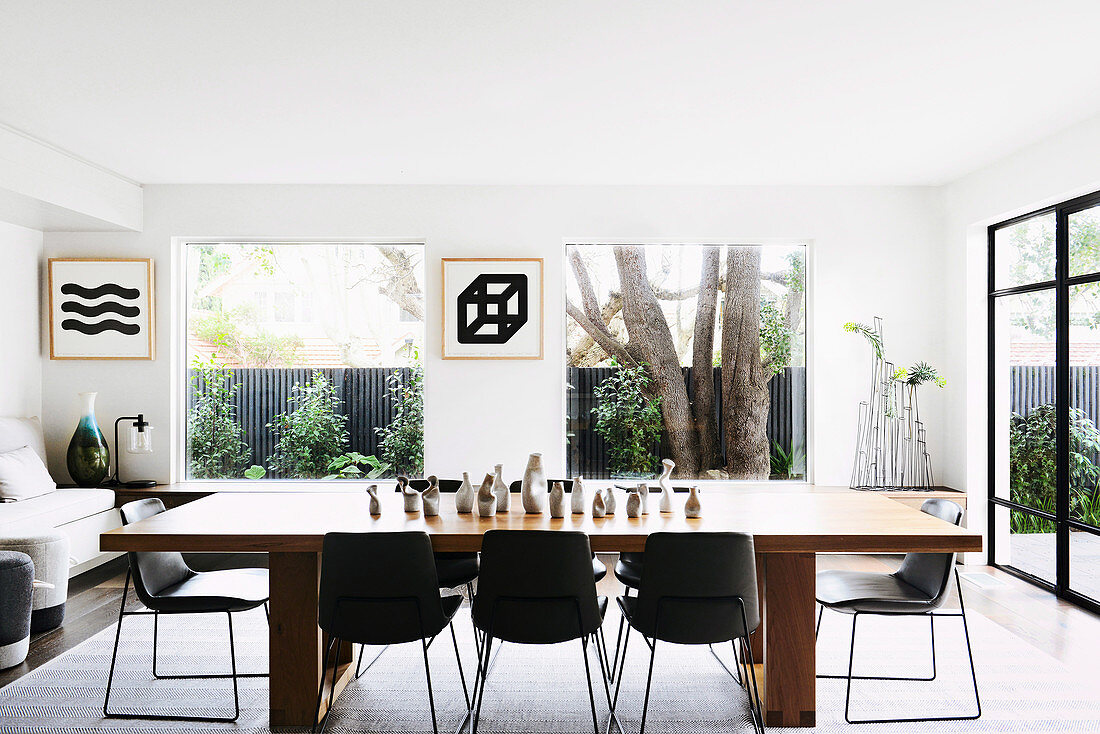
(1033, 464)
(785, 461)
(354, 465)
(312, 433)
(215, 440)
(628, 419)
(402, 445)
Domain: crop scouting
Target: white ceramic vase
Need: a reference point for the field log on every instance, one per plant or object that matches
(500, 490)
(430, 497)
(643, 496)
(598, 507)
(692, 506)
(634, 504)
(375, 504)
(486, 500)
(533, 488)
(609, 500)
(576, 496)
(464, 497)
(666, 485)
(557, 500)
(411, 496)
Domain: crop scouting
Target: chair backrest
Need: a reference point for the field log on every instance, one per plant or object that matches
(690, 586)
(379, 588)
(931, 572)
(516, 485)
(445, 485)
(532, 585)
(152, 572)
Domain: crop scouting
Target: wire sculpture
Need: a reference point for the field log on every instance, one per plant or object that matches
(891, 444)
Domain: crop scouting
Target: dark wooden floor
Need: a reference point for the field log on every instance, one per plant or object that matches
(1062, 630)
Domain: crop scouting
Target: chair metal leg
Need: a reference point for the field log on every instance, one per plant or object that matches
(736, 672)
(926, 679)
(483, 671)
(648, 684)
(817, 629)
(359, 669)
(321, 688)
(588, 677)
(198, 676)
(428, 677)
(750, 674)
(118, 634)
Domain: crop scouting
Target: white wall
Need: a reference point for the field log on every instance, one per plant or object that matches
(1055, 169)
(20, 284)
(876, 251)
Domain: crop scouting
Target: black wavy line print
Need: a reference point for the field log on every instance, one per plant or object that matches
(72, 289)
(100, 326)
(99, 309)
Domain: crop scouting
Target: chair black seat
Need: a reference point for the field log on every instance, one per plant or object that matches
(598, 569)
(455, 569)
(857, 591)
(628, 574)
(235, 590)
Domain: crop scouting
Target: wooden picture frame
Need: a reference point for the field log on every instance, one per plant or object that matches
(509, 308)
(101, 308)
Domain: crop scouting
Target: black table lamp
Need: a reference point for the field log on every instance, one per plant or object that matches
(139, 441)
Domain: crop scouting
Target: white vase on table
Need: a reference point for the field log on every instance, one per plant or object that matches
(533, 488)
(500, 490)
(464, 497)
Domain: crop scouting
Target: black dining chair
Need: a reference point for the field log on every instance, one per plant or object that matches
(918, 588)
(165, 584)
(536, 588)
(367, 602)
(599, 570)
(696, 589)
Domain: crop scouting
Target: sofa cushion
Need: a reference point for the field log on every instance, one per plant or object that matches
(15, 433)
(23, 476)
(54, 509)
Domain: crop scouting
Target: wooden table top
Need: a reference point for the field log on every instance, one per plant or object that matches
(813, 520)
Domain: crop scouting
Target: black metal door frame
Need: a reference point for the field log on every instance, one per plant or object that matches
(1060, 285)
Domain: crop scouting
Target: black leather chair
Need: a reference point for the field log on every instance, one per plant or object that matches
(165, 584)
(536, 588)
(696, 589)
(599, 570)
(918, 587)
(382, 603)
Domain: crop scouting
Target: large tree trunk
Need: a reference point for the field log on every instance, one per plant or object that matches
(702, 362)
(651, 340)
(744, 382)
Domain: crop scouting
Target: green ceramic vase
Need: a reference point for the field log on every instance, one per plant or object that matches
(88, 458)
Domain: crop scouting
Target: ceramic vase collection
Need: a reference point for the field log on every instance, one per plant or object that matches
(643, 496)
(666, 485)
(375, 504)
(500, 490)
(430, 497)
(557, 500)
(576, 497)
(533, 487)
(692, 507)
(609, 501)
(486, 500)
(634, 503)
(464, 497)
(598, 507)
(88, 458)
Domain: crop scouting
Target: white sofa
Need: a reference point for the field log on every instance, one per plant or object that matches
(81, 514)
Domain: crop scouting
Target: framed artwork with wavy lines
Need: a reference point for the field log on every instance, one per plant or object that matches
(101, 308)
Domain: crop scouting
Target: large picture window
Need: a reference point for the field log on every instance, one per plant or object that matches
(689, 352)
(303, 360)
(1044, 402)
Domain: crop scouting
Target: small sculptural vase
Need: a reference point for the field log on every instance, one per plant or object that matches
(557, 500)
(411, 496)
(486, 500)
(464, 497)
(692, 507)
(88, 458)
(533, 487)
(643, 494)
(666, 486)
(634, 504)
(430, 497)
(598, 507)
(500, 489)
(609, 501)
(576, 497)
(375, 504)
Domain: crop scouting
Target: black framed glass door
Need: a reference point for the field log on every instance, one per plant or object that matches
(1044, 398)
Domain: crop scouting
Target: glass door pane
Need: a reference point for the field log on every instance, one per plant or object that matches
(1084, 241)
(1024, 398)
(1084, 380)
(1026, 542)
(1024, 252)
(1084, 563)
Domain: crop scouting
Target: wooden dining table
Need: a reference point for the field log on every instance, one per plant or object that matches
(789, 528)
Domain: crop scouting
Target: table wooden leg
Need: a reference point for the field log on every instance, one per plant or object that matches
(757, 638)
(295, 640)
(789, 649)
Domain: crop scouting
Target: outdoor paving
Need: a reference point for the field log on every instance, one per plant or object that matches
(1034, 553)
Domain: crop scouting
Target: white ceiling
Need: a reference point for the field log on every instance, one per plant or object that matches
(546, 91)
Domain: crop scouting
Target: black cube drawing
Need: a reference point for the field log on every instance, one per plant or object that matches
(492, 308)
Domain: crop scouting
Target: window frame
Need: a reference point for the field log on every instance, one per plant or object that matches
(179, 380)
(1060, 285)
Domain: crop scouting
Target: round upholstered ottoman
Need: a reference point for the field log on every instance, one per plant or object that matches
(49, 549)
(16, 577)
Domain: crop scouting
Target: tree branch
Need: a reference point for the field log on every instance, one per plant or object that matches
(602, 337)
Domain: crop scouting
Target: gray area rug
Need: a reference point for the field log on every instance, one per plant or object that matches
(542, 689)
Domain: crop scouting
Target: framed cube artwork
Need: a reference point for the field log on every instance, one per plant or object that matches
(101, 308)
(492, 308)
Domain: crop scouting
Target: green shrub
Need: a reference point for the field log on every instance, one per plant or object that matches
(354, 465)
(628, 419)
(1032, 460)
(215, 440)
(312, 433)
(402, 445)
